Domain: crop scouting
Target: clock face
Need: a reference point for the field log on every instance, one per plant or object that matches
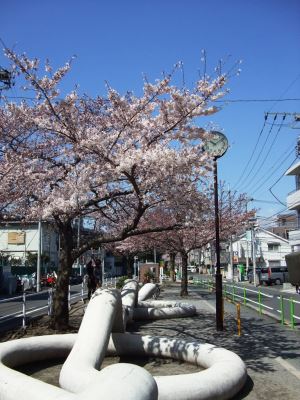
(216, 145)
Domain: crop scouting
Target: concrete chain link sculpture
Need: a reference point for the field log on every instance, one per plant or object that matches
(102, 332)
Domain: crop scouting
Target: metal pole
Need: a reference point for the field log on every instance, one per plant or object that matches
(50, 301)
(253, 255)
(38, 266)
(238, 314)
(259, 301)
(218, 276)
(247, 257)
(24, 311)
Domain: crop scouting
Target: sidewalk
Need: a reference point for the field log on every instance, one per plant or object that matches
(271, 351)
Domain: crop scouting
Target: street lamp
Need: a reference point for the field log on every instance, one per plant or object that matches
(217, 146)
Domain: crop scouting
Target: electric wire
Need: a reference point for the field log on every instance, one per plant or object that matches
(260, 133)
(270, 188)
(254, 190)
(259, 168)
(253, 152)
(255, 100)
(216, 101)
(261, 150)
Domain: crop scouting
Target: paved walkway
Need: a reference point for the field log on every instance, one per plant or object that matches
(270, 351)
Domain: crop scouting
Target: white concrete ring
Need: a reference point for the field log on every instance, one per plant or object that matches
(224, 375)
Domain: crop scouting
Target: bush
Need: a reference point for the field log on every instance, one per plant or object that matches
(121, 281)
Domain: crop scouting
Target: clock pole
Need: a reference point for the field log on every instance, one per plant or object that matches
(218, 276)
(217, 146)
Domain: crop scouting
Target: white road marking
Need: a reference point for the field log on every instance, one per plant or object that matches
(288, 367)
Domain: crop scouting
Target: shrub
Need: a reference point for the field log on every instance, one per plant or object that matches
(121, 281)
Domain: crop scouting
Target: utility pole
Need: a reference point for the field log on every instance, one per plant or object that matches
(247, 257)
(230, 265)
(253, 253)
(295, 116)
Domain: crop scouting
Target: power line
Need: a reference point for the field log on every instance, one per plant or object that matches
(265, 121)
(261, 150)
(259, 167)
(255, 100)
(253, 151)
(270, 188)
(254, 190)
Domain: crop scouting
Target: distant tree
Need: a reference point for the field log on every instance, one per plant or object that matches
(198, 230)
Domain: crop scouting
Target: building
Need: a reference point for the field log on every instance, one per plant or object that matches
(293, 203)
(19, 244)
(270, 249)
(283, 224)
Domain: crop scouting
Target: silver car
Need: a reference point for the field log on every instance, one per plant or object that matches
(269, 275)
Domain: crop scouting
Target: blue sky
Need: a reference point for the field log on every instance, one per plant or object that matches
(119, 41)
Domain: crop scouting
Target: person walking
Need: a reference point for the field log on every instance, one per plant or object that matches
(98, 273)
(91, 279)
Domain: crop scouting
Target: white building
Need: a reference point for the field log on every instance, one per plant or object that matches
(270, 249)
(293, 203)
(18, 241)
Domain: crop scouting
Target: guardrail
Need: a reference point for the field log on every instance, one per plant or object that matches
(239, 294)
(24, 311)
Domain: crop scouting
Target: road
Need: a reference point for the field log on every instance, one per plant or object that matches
(12, 308)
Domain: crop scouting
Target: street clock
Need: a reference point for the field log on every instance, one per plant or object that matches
(216, 145)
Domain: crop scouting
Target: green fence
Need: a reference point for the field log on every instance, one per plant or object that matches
(240, 294)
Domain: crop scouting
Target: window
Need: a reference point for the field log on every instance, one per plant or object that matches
(273, 246)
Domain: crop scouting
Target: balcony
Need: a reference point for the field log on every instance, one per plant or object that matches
(294, 169)
(293, 200)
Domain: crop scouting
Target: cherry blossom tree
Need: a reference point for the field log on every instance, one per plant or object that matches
(113, 158)
(198, 230)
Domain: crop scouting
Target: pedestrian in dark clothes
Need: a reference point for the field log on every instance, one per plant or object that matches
(91, 281)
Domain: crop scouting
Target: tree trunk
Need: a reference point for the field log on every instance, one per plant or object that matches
(184, 280)
(129, 267)
(60, 316)
(172, 266)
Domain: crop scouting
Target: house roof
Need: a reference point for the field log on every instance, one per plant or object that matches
(277, 239)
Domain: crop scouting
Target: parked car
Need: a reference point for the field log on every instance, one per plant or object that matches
(269, 275)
